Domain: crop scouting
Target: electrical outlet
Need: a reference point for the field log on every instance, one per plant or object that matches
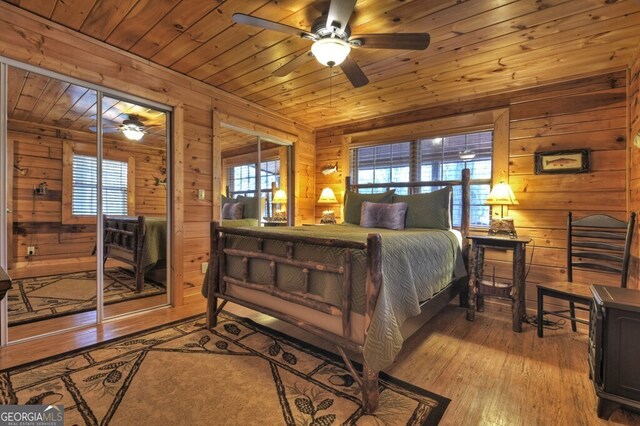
(203, 267)
(31, 250)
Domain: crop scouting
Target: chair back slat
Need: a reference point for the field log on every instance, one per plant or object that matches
(596, 245)
(597, 267)
(607, 254)
(599, 256)
(621, 236)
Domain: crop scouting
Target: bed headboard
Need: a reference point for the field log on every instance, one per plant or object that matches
(464, 182)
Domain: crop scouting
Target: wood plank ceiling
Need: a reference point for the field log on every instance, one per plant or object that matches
(37, 99)
(478, 47)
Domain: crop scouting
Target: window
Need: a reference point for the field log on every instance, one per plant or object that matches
(80, 189)
(242, 178)
(85, 186)
(433, 159)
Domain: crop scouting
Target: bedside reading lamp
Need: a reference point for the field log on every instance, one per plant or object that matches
(328, 197)
(502, 195)
(280, 197)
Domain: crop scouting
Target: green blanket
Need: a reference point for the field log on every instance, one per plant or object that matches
(416, 264)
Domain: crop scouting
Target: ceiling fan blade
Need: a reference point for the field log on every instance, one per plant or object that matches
(241, 18)
(353, 72)
(287, 68)
(407, 41)
(339, 14)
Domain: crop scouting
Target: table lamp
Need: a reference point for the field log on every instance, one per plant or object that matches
(280, 197)
(502, 195)
(328, 197)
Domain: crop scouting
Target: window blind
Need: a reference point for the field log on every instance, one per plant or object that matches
(85, 187)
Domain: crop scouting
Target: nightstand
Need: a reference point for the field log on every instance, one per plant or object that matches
(476, 263)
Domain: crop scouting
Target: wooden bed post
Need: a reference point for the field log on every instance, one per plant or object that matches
(138, 253)
(466, 204)
(370, 390)
(213, 276)
(464, 227)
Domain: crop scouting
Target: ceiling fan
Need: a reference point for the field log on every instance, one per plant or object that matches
(132, 127)
(332, 40)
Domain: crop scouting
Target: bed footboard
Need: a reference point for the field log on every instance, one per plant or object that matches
(218, 282)
(124, 241)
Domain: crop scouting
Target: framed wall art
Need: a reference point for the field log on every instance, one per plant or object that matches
(571, 161)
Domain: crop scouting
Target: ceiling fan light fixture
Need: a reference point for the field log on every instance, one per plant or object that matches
(330, 51)
(132, 132)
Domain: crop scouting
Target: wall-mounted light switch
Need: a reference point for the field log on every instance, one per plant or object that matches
(201, 194)
(203, 267)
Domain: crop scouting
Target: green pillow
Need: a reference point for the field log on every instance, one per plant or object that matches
(353, 203)
(429, 210)
(251, 210)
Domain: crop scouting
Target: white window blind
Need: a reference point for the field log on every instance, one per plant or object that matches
(85, 186)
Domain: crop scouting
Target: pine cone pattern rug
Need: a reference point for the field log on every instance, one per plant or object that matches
(40, 298)
(240, 373)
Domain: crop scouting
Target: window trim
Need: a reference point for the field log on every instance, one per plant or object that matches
(70, 148)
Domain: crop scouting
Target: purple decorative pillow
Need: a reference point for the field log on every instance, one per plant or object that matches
(382, 215)
(232, 211)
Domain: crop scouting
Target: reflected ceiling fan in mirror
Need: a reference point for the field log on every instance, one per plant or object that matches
(332, 40)
(132, 128)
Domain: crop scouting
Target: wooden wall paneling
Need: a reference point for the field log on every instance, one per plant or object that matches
(633, 126)
(177, 186)
(217, 167)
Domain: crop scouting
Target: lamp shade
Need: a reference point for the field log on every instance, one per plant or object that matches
(330, 51)
(280, 197)
(501, 195)
(327, 197)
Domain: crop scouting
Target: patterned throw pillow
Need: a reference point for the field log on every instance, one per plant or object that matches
(379, 215)
(232, 211)
(353, 203)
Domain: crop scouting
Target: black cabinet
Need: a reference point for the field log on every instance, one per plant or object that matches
(614, 348)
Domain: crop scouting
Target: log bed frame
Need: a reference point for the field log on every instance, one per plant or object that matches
(217, 284)
(124, 241)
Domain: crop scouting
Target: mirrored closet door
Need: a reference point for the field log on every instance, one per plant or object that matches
(49, 254)
(256, 183)
(86, 235)
(135, 205)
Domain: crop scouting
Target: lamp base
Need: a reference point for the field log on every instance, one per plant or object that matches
(328, 217)
(503, 227)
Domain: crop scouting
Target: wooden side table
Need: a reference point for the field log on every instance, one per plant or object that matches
(476, 262)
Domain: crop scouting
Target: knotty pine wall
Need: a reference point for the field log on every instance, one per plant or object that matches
(633, 94)
(585, 113)
(38, 218)
(31, 39)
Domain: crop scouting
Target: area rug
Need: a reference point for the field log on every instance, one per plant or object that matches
(40, 298)
(241, 373)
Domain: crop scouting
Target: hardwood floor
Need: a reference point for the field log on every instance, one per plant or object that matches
(492, 375)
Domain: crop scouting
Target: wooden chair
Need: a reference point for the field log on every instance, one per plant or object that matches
(597, 242)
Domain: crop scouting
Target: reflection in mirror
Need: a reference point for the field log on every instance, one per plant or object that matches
(239, 201)
(134, 203)
(254, 180)
(50, 258)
